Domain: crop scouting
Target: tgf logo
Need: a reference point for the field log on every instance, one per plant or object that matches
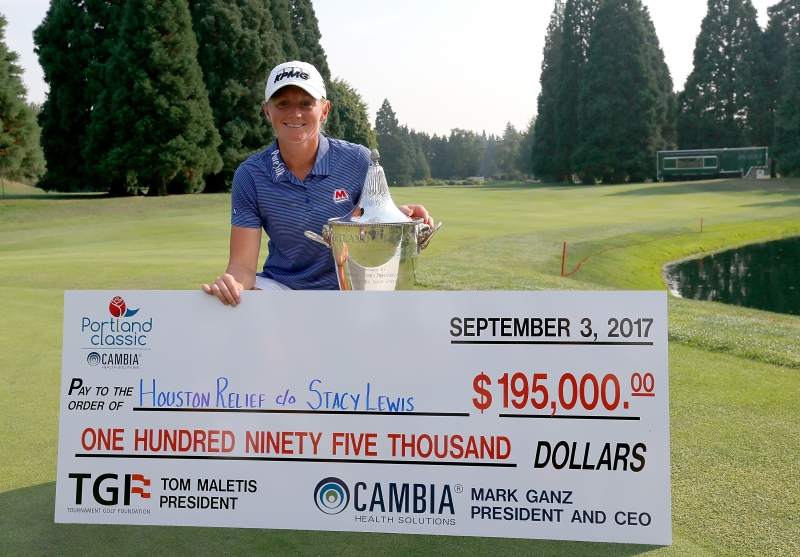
(111, 494)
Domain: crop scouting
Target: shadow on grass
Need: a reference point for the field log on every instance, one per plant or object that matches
(27, 528)
(512, 186)
(706, 186)
(43, 195)
(792, 202)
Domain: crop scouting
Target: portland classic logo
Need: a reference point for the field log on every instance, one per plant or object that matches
(117, 308)
(117, 331)
(331, 496)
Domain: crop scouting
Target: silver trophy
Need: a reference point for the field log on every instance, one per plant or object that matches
(376, 246)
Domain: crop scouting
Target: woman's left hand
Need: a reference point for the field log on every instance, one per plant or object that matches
(417, 212)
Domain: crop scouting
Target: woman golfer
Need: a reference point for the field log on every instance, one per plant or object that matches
(294, 185)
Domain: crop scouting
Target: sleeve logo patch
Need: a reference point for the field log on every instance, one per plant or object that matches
(340, 195)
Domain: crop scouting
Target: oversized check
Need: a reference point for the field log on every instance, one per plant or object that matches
(508, 414)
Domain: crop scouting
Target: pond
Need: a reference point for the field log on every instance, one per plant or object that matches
(762, 276)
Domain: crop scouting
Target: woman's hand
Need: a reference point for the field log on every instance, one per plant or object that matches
(241, 272)
(417, 212)
(226, 288)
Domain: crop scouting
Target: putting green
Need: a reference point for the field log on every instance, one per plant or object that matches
(735, 373)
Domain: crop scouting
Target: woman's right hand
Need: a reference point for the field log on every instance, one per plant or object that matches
(226, 288)
(241, 271)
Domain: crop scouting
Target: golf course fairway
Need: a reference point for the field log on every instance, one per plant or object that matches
(734, 372)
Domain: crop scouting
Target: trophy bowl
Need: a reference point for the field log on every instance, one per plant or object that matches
(376, 246)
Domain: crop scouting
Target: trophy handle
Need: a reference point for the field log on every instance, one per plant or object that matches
(325, 239)
(425, 235)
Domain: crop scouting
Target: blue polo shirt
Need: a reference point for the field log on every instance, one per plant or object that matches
(267, 195)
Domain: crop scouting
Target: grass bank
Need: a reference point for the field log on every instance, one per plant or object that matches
(733, 372)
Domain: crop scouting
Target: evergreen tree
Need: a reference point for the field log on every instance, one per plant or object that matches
(577, 29)
(544, 155)
(420, 169)
(281, 11)
(488, 166)
(305, 30)
(507, 152)
(782, 29)
(73, 44)
(437, 156)
(237, 48)
(352, 112)
(434, 149)
(667, 107)
(787, 121)
(524, 160)
(153, 126)
(392, 147)
(464, 154)
(720, 106)
(621, 108)
(20, 157)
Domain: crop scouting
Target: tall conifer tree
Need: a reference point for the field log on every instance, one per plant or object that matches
(721, 105)
(507, 152)
(305, 29)
(488, 166)
(782, 29)
(464, 154)
(667, 106)
(281, 11)
(787, 121)
(577, 29)
(420, 169)
(545, 139)
(20, 156)
(436, 154)
(352, 111)
(237, 48)
(73, 43)
(153, 126)
(392, 147)
(523, 162)
(620, 113)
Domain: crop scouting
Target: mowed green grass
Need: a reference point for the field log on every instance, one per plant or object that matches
(734, 373)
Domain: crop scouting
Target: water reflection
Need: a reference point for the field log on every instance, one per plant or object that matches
(762, 276)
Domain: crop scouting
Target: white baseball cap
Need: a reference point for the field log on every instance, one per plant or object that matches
(301, 74)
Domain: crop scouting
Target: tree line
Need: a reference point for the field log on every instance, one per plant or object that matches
(165, 95)
(411, 157)
(607, 103)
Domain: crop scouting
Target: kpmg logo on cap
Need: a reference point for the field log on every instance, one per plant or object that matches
(292, 72)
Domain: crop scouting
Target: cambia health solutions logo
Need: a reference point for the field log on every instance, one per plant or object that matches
(331, 495)
(114, 360)
(120, 331)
